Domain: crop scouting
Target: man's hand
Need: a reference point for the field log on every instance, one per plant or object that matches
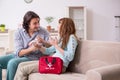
(33, 48)
(40, 40)
(31, 42)
(36, 45)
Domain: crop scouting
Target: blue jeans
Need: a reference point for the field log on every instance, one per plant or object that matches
(10, 63)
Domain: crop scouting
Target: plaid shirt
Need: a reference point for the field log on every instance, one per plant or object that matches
(22, 40)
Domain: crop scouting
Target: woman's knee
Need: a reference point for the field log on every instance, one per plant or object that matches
(27, 68)
(20, 64)
(21, 67)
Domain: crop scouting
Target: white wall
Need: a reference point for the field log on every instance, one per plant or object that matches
(101, 22)
(100, 14)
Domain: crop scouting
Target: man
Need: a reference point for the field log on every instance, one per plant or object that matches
(23, 52)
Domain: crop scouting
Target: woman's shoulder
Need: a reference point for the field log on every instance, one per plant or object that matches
(73, 38)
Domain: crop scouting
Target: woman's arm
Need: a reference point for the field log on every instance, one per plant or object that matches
(71, 48)
(47, 51)
(59, 49)
(42, 49)
(54, 42)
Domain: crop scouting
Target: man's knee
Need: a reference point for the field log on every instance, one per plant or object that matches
(12, 64)
(0, 66)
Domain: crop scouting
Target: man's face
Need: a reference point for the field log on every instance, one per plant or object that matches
(34, 24)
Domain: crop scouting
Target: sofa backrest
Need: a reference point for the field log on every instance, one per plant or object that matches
(94, 54)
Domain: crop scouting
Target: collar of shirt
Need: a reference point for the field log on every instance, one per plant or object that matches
(34, 34)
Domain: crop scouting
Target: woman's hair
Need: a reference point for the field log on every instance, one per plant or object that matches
(27, 18)
(67, 28)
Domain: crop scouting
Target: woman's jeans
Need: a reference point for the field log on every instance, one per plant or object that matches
(10, 63)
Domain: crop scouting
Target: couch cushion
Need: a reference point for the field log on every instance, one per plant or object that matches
(75, 64)
(4, 74)
(65, 76)
(94, 54)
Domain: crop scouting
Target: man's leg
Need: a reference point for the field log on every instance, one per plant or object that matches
(26, 68)
(12, 66)
(4, 61)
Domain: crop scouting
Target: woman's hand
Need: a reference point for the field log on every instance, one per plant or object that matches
(53, 42)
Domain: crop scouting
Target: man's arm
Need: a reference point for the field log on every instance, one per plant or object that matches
(26, 51)
(19, 45)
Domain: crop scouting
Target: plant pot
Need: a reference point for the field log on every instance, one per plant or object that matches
(2, 27)
(49, 28)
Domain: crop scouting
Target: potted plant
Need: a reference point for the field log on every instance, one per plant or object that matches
(49, 20)
(2, 27)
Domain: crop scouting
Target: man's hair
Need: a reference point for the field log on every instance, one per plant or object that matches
(27, 18)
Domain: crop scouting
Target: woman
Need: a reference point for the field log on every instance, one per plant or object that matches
(23, 52)
(64, 48)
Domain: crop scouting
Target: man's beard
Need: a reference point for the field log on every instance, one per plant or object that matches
(36, 29)
(33, 30)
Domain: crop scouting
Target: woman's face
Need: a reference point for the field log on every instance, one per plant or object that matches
(34, 24)
(59, 25)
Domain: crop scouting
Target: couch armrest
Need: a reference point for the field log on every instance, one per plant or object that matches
(111, 72)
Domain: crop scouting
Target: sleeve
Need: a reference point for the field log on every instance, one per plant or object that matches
(18, 43)
(71, 48)
(46, 35)
(50, 50)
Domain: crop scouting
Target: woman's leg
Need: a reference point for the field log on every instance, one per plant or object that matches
(4, 61)
(26, 68)
(12, 66)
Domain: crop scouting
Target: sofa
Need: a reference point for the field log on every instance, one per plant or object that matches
(94, 60)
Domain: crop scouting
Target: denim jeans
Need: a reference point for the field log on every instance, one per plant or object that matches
(10, 63)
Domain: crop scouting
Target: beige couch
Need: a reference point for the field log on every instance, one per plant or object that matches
(94, 60)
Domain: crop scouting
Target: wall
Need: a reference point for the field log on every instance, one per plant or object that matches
(101, 21)
(100, 14)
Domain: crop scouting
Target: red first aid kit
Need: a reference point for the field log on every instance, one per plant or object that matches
(48, 64)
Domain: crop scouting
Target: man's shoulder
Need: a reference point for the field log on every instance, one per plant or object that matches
(20, 30)
(43, 30)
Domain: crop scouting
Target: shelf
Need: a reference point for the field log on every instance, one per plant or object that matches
(4, 34)
(7, 39)
(6, 31)
(78, 14)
